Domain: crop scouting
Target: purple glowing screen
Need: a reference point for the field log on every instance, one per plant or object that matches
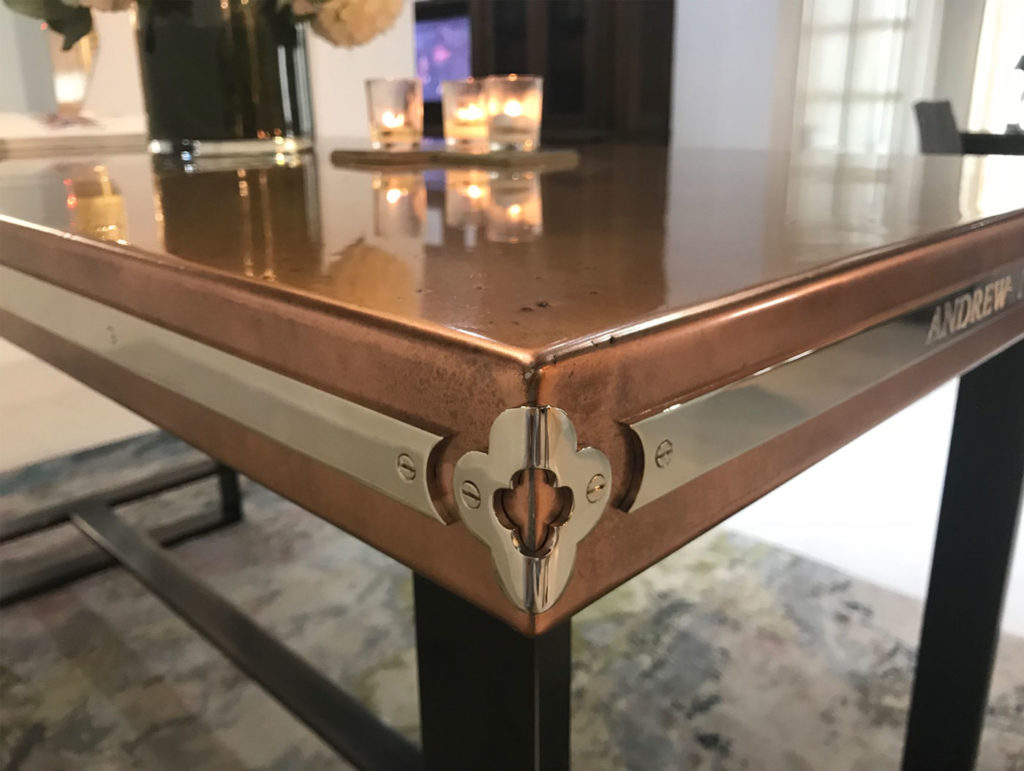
(442, 53)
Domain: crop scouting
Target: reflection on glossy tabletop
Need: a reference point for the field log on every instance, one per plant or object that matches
(527, 259)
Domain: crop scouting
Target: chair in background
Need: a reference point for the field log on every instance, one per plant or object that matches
(939, 134)
(937, 125)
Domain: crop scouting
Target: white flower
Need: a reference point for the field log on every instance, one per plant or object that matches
(354, 22)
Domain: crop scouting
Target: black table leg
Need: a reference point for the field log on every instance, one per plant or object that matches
(973, 552)
(490, 698)
(230, 493)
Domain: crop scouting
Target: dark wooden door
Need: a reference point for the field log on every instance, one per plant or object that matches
(607, 64)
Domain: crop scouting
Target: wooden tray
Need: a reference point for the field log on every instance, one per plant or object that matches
(427, 157)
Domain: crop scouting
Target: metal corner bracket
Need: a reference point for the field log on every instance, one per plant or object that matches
(524, 438)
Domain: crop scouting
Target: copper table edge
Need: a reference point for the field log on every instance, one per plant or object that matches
(757, 295)
(530, 359)
(163, 261)
(767, 345)
(462, 564)
(523, 381)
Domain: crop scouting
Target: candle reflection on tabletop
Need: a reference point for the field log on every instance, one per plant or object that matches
(399, 203)
(94, 202)
(467, 194)
(514, 211)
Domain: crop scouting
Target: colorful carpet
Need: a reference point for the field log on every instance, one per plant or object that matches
(731, 654)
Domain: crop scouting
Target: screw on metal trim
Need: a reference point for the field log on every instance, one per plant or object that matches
(470, 494)
(595, 488)
(406, 467)
(663, 454)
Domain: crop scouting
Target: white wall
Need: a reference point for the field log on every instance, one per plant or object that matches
(338, 75)
(116, 88)
(733, 72)
(961, 31)
(24, 65)
(26, 85)
(735, 66)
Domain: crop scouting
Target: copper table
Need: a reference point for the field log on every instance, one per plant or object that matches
(530, 385)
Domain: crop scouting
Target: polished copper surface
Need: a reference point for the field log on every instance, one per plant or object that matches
(634, 234)
(641, 278)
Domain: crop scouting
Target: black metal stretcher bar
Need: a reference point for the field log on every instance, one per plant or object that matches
(58, 514)
(335, 716)
(46, 574)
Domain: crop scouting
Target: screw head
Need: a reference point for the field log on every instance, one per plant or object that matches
(470, 494)
(595, 488)
(663, 454)
(406, 467)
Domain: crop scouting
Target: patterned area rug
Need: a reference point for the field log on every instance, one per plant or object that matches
(731, 654)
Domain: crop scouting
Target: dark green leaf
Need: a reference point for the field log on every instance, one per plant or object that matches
(73, 22)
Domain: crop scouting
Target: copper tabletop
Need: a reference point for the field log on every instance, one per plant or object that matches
(527, 385)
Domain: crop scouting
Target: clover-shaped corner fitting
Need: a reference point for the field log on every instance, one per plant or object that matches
(522, 439)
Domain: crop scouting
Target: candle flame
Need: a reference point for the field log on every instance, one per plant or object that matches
(474, 191)
(515, 210)
(469, 113)
(393, 194)
(392, 120)
(513, 108)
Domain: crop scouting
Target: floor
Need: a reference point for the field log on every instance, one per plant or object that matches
(730, 654)
(44, 413)
(869, 510)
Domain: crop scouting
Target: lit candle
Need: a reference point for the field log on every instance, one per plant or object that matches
(396, 112)
(465, 116)
(469, 114)
(391, 120)
(514, 111)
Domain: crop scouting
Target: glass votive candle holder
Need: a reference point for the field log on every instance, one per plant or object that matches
(513, 111)
(465, 113)
(467, 192)
(395, 107)
(514, 211)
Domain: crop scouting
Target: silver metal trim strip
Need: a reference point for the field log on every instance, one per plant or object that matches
(691, 438)
(382, 452)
